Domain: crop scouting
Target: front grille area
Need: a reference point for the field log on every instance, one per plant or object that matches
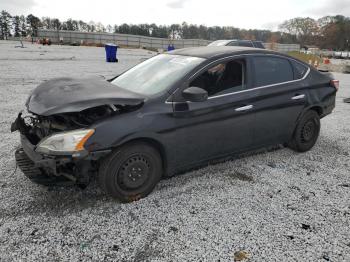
(26, 165)
(37, 175)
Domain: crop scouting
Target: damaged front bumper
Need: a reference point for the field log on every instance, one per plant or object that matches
(57, 169)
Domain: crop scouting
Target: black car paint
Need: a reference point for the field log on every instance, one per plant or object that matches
(62, 95)
(190, 134)
(204, 130)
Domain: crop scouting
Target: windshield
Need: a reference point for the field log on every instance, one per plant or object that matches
(156, 74)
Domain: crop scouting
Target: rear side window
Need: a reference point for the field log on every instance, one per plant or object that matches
(272, 70)
(299, 70)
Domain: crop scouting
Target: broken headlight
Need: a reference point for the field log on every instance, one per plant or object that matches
(65, 142)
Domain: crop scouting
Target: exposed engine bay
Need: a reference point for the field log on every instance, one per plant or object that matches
(52, 171)
(65, 104)
(57, 123)
(36, 127)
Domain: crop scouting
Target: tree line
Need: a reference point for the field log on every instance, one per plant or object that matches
(331, 32)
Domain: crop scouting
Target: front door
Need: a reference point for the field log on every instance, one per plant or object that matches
(221, 125)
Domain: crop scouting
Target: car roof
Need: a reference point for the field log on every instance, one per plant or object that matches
(226, 41)
(209, 52)
(221, 42)
(229, 40)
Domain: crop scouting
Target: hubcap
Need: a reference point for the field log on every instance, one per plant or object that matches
(308, 131)
(134, 172)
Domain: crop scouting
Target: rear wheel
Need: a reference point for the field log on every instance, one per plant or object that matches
(306, 132)
(131, 172)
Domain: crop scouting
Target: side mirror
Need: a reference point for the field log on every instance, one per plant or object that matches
(195, 94)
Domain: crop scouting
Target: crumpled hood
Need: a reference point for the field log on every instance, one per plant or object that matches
(64, 95)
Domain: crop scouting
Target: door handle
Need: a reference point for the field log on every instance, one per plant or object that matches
(298, 97)
(244, 108)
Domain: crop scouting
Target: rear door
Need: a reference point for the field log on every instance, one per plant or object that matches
(281, 97)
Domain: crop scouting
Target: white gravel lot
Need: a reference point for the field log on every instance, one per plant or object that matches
(275, 206)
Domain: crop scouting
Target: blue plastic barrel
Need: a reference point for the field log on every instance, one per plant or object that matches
(171, 47)
(111, 52)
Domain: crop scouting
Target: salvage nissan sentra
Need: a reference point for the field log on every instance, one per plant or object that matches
(172, 112)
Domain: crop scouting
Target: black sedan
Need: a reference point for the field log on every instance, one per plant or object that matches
(171, 113)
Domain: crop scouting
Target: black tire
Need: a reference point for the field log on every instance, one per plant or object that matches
(131, 172)
(306, 132)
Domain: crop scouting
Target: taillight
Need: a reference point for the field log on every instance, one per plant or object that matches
(335, 84)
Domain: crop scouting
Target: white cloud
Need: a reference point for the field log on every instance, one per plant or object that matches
(176, 4)
(17, 6)
(249, 14)
(273, 26)
(330, 7)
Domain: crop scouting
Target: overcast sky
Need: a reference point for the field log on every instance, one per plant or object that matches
(248, 14)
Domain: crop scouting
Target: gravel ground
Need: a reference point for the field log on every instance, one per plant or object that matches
(337, 65)
(271, 206)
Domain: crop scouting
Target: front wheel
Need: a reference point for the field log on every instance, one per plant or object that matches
(131, 172)
(306, 132)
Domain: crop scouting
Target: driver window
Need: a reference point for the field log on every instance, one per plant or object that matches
(222, 78)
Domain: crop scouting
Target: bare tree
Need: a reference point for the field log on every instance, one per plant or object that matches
(100, 27)
(109, 29)
(306, 29)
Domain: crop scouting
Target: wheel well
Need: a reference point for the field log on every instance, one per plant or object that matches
(153, 143)
(318, 109)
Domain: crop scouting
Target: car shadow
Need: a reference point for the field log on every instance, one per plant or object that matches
(59, 201)
(62, 200)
